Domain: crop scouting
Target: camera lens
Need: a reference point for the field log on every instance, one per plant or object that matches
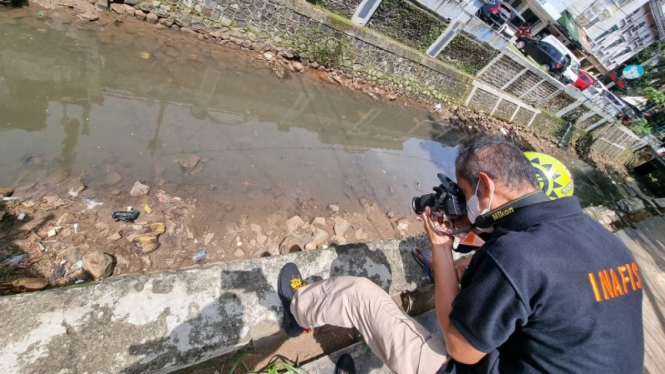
(417, 205)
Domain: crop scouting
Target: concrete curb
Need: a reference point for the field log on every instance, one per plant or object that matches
(166, 321)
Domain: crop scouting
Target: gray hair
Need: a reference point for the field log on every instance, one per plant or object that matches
(497, 157)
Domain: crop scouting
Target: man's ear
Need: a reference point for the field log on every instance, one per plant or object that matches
(483, 185)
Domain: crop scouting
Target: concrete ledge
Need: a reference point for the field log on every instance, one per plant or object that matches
(165, 321)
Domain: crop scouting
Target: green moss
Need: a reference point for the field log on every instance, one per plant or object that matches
(468, 55)
(407, 23)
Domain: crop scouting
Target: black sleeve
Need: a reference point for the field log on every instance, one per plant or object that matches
(488, 309)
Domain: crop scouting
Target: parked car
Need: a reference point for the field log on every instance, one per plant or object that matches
(501, 17)
(571, 73)
(584, 80)
(549, 58)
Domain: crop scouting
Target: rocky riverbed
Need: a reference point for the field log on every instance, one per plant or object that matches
(201, 205)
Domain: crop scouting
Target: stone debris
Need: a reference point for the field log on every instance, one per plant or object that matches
(144, 244)
(319, 221)
(269, 56)
(392, 214)
(75, 190)
(139, 189)
(290, 244)
(341, 226)
(89, 16)
(294, 223)
(318, 239)
(338, 240)
(98, 264)
(114, 237)
(157, 228)
(189, 163)
(402, 224)
(334, 208)
(6, 192)
(239, 253)
(208, 238)
(361, 234)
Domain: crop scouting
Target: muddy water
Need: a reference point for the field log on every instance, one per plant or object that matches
(106, 100)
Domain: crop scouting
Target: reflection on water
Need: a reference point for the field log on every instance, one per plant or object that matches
(132, 100)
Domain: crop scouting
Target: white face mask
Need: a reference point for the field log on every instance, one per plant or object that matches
(473, 204)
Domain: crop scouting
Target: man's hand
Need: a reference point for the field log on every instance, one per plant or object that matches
(433, 227)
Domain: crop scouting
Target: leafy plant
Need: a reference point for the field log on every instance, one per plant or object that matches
(654, 96)
(640, 127)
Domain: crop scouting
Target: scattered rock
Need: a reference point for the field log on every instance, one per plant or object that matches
(269, 56)
(334, 208)
(144, 244)
(139, 189)
(341, 225)
(208, 238)
(152, 18)
(392, 214)
(239, 253)
(293, 223)
(101, 226)
(112, 178)
(318, 239)
(118, 8)
(392, 96)
(189, 162)
(338, 240)
(114, 237)
(361, 234)
(297, 66)
(290, 244)
(98, 264)
(402, 224)
(171, 229)
(237, 241)
(319, 221)
(6, 192)
(138, 13)
(157, 228)
(89, 16)
(75, 190)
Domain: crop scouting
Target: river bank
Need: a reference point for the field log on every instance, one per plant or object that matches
(238, 150)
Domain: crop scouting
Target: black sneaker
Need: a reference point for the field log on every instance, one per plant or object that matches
(288, 283)
(345, 365)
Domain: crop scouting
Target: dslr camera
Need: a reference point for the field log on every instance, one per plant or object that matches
(447, 199)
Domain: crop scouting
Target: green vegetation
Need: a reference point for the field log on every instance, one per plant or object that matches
(467, 54)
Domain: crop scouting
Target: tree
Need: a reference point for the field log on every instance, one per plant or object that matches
(654, 97)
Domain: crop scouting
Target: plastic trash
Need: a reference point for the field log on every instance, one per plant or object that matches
(21, 217)
(9, 198)
(147, 208)
(40, 14)
(130, 216)
(90, 203)
(76, 228)
(199, 257)
(78, 264)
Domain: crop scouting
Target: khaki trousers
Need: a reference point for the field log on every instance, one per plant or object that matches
(403, 345)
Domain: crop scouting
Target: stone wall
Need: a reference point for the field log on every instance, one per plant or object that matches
(467, 54)
(540, 93)
(523, 117)
(345, 8)
(503, 70)
(558, 102)
(505, 110)
(589, 121)
(576, 113)
(407, 23)
(549, 125)
(483, 101)
(299, 30)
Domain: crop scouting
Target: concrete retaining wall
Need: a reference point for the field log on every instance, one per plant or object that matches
(165, 321)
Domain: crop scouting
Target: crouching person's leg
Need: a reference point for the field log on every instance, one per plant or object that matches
(401, 343)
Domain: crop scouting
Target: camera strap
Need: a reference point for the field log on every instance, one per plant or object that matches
(499, 214)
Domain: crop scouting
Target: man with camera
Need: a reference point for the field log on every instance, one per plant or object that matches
(549, 291)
